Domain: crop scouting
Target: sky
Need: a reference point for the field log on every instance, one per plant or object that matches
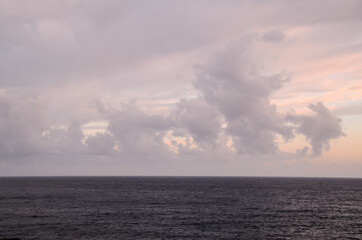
(181, 88)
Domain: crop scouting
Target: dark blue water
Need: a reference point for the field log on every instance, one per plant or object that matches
(180, 208)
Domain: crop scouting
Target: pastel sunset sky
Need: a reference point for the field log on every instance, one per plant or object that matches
(205, 88)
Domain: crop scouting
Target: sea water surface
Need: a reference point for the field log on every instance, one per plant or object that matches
(180, 208)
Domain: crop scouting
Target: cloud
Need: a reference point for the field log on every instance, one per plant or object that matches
(200, 120)
(22, 122)
(72, 52)
(302, 152)
(101, 144)
(65, 141)
(90, 40)
(233, 83)
(233, 104)
(139, 135)
(25, 131)
(319, 129)
(349, 110)
(273, 36)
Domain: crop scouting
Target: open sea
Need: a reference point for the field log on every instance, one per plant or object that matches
(180, 208)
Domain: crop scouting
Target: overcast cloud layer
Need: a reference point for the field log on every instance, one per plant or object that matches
(177, 88)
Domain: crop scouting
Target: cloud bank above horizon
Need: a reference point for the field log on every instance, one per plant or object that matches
(178, 88)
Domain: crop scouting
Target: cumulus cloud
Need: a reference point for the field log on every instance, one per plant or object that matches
(200, 120)
(234, 84)
(67, 140)
(101, 144)
(233, 105)
(26, 132)
(319, 129)
(138, 134)
(72, 52)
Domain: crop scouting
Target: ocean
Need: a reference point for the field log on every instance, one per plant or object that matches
(180, 208)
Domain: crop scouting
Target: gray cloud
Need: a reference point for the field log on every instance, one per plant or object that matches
(72, 40)
(200, 120)
(65, 141)
(234, 85)
(25, 131)
(233, 91)
(22, 121)
(71, 52)
(139, 135)
(273, 36)
(348, 110)
(101, 144)
(302, 152)
(319, 129)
